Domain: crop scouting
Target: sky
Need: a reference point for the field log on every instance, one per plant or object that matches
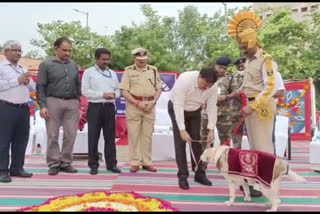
(18, 21)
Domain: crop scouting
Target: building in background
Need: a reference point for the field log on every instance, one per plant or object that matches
(300, 11)
(27, 63)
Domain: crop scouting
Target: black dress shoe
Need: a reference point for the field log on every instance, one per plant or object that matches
(21, 173)
(183, 184)
(69, 169)
(93, 171)
(53, 170)
(114, 169)
(203, 180)
(5, 178)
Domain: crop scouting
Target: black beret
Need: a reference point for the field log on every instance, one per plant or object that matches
(224, 60)
(240, 60)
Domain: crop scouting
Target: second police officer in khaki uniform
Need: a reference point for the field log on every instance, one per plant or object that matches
(141, 86)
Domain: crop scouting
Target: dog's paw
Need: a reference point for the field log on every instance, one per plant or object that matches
(247, 199)
(228, 203)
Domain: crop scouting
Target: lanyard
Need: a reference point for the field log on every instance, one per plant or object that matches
(19, 71)
(108, 75)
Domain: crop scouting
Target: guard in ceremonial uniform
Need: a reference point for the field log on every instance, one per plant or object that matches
(141, 86)
(259, 81)
(236, 104)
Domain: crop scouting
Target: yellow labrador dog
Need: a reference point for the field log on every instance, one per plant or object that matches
(249, 172)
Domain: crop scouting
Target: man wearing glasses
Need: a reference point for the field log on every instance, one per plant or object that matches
(59, 92)
(15, 86)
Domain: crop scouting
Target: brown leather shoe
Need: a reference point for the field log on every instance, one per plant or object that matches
(149, 168)
(134, 169)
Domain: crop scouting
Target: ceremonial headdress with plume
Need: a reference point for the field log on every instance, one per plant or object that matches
(243, 27)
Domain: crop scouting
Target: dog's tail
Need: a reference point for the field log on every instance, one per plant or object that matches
(294, 176)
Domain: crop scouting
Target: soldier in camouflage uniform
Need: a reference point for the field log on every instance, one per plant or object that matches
(228, 90)
(237, 104)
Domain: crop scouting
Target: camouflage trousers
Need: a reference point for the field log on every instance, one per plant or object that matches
(237, 139)
(223, 125)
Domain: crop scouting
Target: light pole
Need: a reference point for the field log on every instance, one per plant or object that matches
(225, 15)
(86, 13)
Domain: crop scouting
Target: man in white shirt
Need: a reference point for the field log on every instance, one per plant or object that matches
(280, 91)
(189, 92)
(15, 87)
(100, 84)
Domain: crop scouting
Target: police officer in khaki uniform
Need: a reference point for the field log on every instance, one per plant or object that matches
(141, 86)
(228, 90)
(236, 104)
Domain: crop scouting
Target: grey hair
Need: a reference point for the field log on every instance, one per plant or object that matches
(10, 44)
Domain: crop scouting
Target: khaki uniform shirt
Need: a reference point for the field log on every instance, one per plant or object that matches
(258, 82)
(141, 83)
(255, 77)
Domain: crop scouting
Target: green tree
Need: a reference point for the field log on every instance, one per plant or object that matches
(286, 40)
(84, 41)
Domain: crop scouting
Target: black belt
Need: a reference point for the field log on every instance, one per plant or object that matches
(65, 98)
(251, 98)
(15, 105)
(101, 103)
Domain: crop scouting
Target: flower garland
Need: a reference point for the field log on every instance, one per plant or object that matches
(296, 100)
(102, 201)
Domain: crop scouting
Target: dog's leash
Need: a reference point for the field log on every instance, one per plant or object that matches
(192, 153)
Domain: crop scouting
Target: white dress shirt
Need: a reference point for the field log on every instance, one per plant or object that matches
(187, 96)
(279, 82)
(96, 82)
(10, 90)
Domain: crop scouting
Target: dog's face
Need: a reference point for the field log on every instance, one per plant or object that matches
(207, 156)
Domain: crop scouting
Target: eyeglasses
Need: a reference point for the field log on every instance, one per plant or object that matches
(15, 50)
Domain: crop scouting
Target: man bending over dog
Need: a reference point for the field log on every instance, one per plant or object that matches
(190, 91)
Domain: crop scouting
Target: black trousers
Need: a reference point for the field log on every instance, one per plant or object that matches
(193, 125)
(14, 132)
(101, 116)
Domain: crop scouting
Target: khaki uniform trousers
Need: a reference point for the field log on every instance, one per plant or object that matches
(260, 131)
(140, 128)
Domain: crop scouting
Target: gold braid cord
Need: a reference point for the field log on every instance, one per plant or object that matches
(243, 21)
